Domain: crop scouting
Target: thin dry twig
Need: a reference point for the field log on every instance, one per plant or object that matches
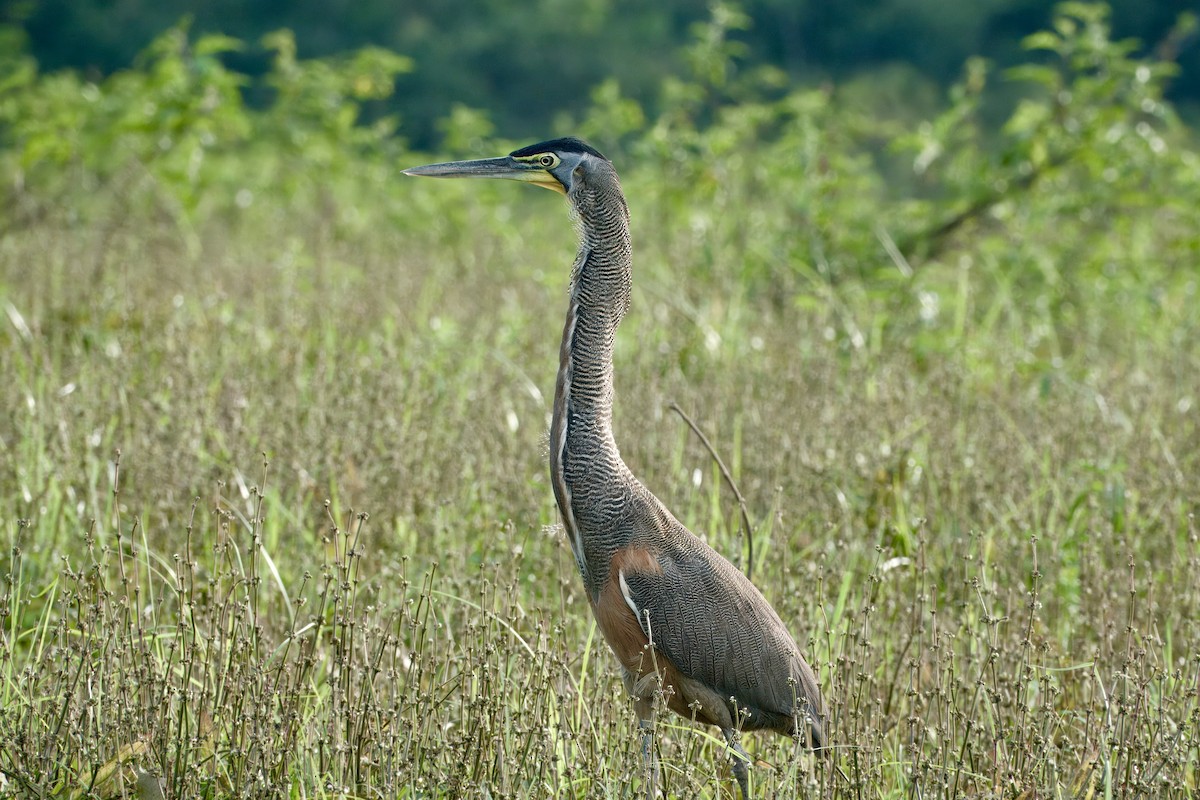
(728, 480)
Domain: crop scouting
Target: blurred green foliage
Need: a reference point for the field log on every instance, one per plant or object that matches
(173, 135)
(526, 63)
(1093, 152)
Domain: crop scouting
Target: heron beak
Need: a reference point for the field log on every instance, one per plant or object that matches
(504, 167)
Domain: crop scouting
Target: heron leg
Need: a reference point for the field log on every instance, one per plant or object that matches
(650, 757)
(741, 761)
(645, 691)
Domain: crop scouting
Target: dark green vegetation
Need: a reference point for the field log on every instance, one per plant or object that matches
(955, 380)
(525, 64)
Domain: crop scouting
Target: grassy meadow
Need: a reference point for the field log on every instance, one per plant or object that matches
(273, 474)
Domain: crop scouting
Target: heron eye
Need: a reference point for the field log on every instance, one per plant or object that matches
(547, 160)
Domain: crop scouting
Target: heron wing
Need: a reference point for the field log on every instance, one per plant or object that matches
(717, 629)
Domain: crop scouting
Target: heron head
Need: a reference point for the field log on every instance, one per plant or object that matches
(556, 164)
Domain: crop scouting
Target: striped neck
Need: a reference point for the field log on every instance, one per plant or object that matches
(586, 470)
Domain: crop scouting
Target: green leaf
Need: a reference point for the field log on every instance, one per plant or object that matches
(1035, 73)
(214, 43)
(1042, 40)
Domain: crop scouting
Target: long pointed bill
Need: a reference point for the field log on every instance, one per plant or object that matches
(503, 167)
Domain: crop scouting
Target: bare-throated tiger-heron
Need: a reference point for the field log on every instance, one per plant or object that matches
(686, 626)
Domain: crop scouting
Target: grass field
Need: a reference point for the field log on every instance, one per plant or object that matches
(984, 538)
(279, 520)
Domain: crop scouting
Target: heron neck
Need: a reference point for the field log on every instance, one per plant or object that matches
(586, 468)
(600, 291)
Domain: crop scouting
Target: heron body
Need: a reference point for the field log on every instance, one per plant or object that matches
(686, 626)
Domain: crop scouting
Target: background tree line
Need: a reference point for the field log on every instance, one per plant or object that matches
(527, 64)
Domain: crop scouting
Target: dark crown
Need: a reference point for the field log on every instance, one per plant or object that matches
(568, 144)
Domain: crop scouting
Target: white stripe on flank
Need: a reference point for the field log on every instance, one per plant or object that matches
(628, 595)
